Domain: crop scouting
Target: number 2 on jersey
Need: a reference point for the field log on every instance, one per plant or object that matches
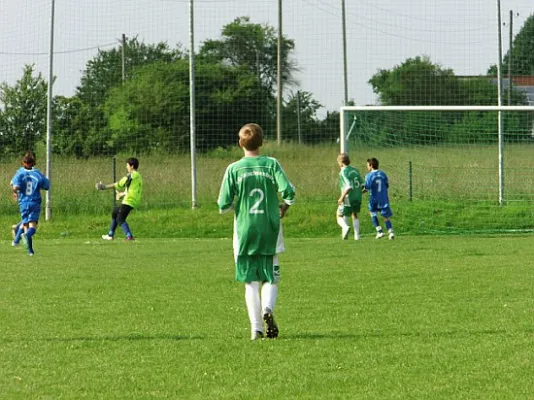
(255, 207)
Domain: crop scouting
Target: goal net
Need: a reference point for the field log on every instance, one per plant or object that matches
(451, 168)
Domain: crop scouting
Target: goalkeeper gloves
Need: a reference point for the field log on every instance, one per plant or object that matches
(100, 186)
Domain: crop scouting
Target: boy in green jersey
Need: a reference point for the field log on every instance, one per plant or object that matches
(350, 201)
(129, 188)
(250, 186)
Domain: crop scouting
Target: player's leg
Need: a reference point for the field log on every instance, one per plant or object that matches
(342, 221)
(269, 295)
(33, 214)
(355, 220)
(113, 225)
(122, 214)
(28, 236)
(247, 272)
(387, 213)
(376, 224)
(17, 231)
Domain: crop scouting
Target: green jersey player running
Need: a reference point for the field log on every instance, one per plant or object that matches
(251, 186)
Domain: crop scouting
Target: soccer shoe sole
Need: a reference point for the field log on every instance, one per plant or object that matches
(272, 329)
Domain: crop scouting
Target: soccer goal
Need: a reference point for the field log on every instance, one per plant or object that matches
(463, 157)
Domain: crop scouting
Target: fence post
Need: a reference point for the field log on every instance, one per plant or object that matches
(410, 181)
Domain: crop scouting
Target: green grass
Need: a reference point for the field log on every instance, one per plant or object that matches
(454, 190)
(446, 317)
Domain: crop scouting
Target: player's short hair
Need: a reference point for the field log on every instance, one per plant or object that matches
(344, 158)
(373, 162)
(28, 161)
(134, 162)
(251, 136)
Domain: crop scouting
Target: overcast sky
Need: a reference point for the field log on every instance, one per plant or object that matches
(458, 34)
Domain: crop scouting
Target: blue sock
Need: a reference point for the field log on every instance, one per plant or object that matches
(112, 227)
(374, 220)
(19, 231)
(29, 234)
(126, 229)
(388, 225)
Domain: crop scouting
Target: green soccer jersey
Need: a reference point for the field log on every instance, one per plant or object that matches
(251, 186)
(349, 177)
(133, 184)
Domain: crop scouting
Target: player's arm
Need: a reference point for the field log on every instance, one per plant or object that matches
(343, 195)
(120, 185)
(285, 188)
(45, 182)
(225, 201)
(16, 190)
(347, 186)
(102, 186)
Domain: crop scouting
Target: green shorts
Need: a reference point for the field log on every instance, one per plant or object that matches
(254, 268)
(347, 210)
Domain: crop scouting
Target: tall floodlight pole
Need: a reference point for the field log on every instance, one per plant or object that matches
(499, 103)
(48, 208)
(510, 80)
(345, 79)
(123, 59)
(279, 77)
(192, 110)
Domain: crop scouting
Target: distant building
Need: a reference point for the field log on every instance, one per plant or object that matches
(523, 83)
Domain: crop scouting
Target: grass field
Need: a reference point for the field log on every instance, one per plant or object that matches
(422, 317)
(453, 189)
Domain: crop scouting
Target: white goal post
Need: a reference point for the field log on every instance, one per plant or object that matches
(348, 125)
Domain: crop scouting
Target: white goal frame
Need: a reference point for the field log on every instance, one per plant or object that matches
(346, 126)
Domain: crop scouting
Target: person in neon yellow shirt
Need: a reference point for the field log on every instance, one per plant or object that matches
(129, 188)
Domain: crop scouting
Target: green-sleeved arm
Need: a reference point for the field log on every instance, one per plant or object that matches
(227, 192)
(285, 188)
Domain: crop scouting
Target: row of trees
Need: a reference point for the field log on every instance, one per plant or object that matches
(148, 109)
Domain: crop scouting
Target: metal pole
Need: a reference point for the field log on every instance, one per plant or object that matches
(48, 208)
(510, 79)
(410, 181)
(345, 79)
(298, 117)
(499, 103)
(192, 110)
(279, 77)
(114, 177)
(123, 57)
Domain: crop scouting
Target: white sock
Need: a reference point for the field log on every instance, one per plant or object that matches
(356, 225)
(252, 299)
(269, 293)
(342, 222)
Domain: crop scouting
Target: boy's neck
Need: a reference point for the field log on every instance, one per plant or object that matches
(251, 153)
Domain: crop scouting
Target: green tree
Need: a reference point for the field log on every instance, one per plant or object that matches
(104, 71)
(23, 112)
(254, 47)
(417, 81)
(152, 112)
(83, 128)
(522, 52)
(301, 106)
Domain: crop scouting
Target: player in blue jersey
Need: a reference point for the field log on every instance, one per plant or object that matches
(27, 184)
(376, 183)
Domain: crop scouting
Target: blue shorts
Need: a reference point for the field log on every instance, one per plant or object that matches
(30, 212)
(385, 211)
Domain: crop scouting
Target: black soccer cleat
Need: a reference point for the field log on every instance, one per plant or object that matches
(271, 331)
